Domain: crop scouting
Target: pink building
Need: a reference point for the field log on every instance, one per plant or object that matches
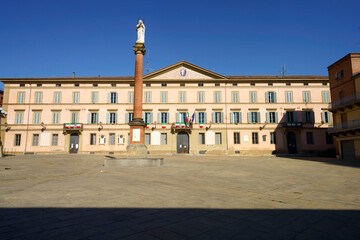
(248, 115)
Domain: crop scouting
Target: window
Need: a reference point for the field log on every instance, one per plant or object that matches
(95, 85)
(329, 139)
(163, 138)
(22, 84)
(36, 119)
(38, 97)
(309, 138)
(21, 97)
(326, 117)
(147, 138)
(163, 117)
(93, 139)
(289, 97)
(182, 84)
(57, 97)
(94, 97)
(272, 117)
(306, 96)
(235, 117)
(58, 85)
(201, 138)
(308, 117)
(290, 117)
(270, 84)
(253, 98)
(74, 117)
(35, 140)
(254, 117)
(234, 84)
(325, 97)
(252, 84)
(163, 97)
(112, 118)
(131, 85)
(131, 97)
(39, 85)
(324, 84)
(235, 97)
(255, 138)
(163, 84)
(113, 84)
(217, 97)
(272, 138)
(270, 97)
(218, 138)
(339, 75)
(201, 117)
(56, 117)
(288, 84)
(218, 117)
(94, 117)
(76, 85)
(113, 97)
(148, 117)
(182, 97)
(76, 97)
(112, 139)
(217, 84)
(181, 117)
(54, 140)
(200, 84)
(129, 117)
(19, 117)
(306, 84)
(147, 97)
(236, 138)
(201, 97)
(17, 140)
(148, 85)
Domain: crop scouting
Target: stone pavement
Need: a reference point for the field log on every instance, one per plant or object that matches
(190, 197)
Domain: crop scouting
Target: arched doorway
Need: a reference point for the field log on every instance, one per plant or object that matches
(291, 142)
(74, 143)
(182, 142)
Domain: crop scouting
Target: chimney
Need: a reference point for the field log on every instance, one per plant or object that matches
(98, 75)
(73, 74)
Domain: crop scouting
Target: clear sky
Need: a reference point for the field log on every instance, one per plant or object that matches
(53, 38)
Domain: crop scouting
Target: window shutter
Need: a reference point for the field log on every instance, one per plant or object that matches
(109, 97)
(143, 116)
(126, 117)
(323, 116)
(213, 117)
(258, 117)
(197, 117)
(286, 116)
(329, 117)
(267, 97)
(295, 116)
(205, 117)
(97, 117)
(89, 118)
(275, 97)
(312, 117)
(222, 117)
(303, 117)
(159, 117)
(178, 117)
(231, 117)
(249, 117)
(268, 117)
(116, 118)
(276, 117)
(117, 95)
(151, 117)
(108, 117)
(240, 117)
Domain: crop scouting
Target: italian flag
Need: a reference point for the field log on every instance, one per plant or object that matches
(147, 125)
(201, 125)
(72, 125)
(163, 125)
(177, 124)
(182, 125)
(78, 125)
(67, 125)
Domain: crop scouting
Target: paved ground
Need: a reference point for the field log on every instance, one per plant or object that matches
(190, 197)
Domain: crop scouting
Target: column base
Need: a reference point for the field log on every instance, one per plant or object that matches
(136, 151)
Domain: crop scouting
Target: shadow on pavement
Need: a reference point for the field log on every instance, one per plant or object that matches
(334, 161)
(151, 223)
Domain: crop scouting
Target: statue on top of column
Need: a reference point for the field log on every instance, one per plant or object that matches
(140, 28)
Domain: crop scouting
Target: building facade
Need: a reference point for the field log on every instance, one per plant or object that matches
(188, 110)
(344, 78)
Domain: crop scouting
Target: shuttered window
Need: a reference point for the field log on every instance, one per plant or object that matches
(36, 119)
(236, 138)
(35, 140)
(306, 96)
(19, 117)
(94, 97)
(235, 97)
(56, 117)
(325, 97)
(218, 139)
(57, 97)
(163, 138)
(217, 97)
(75, 117)
(182, 97)
(147, 97)
(55, 140)
(289, 97)
(163, 97)
(201, 97)
(38, 97)
(253, 97)
(21, 97)
(112, 139)
(76, 97)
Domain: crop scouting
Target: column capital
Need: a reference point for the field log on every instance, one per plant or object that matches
(139, 48)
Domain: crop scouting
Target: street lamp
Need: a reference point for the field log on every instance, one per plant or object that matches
(3, 114)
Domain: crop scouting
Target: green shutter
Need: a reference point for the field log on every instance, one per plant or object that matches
(275, 97)
(126, 117)
(258, 117)
(108, 117)
(231, 117)
(116, 118)
(159, 117)
(267, 98)
(276, 117)
(205, 117)
(89, 118)
(249, 117)
(268, 117)
(240, 117)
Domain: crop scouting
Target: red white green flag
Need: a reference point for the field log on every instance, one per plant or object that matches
(72, 125)
(163, 125)
(177, 124)
(182, 125)
(147, 125)
(78, 125)
(201, 125)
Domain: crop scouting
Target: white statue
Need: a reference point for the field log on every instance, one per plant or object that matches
(140, 28)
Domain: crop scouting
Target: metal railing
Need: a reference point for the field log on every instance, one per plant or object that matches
(354, 124)
(345, 101)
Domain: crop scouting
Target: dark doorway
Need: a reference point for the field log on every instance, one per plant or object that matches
(74, 143)
(348, 150)
(291, 142)
(182, 142)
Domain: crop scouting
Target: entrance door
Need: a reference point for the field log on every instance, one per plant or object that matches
(291, 142)
(182, 142)
(348, 149)
(74, 143)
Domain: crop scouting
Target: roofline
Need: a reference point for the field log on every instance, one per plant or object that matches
(350, 55)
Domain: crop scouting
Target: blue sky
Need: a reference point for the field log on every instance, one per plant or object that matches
(55, 38)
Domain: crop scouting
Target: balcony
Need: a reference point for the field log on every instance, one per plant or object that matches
(294, 125)
(346, 127)
(179, 127)
(347, 102)
(72, 126)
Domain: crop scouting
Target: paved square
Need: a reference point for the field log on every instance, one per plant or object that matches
(190, 197)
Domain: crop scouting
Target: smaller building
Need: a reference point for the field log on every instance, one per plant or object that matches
(344, 78)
